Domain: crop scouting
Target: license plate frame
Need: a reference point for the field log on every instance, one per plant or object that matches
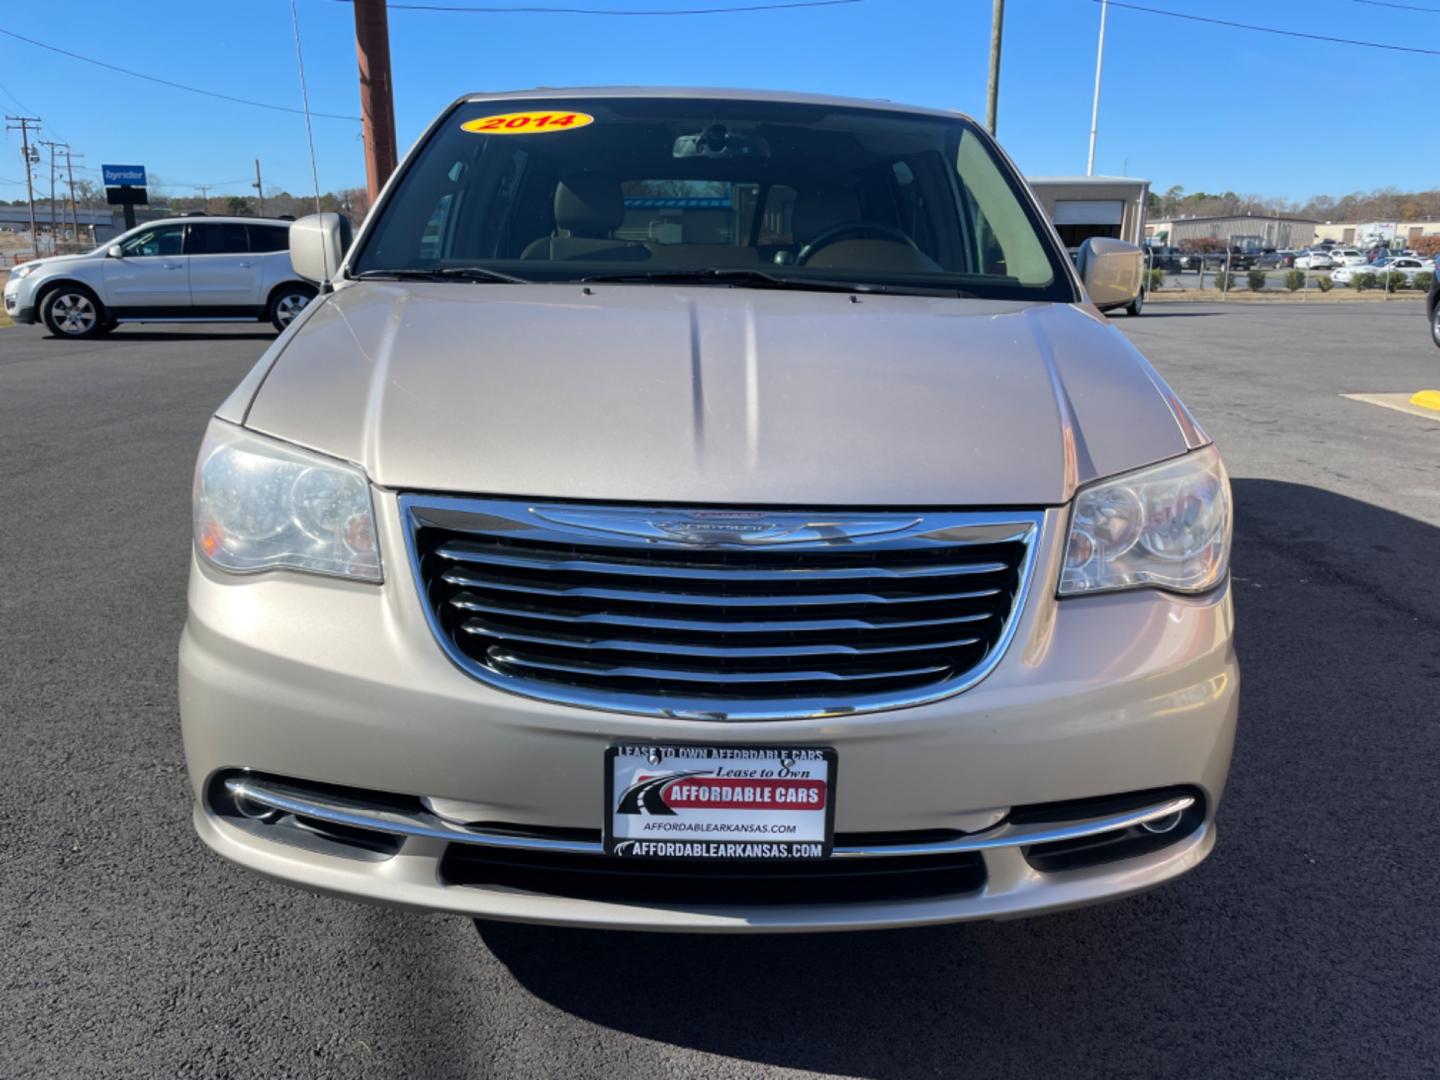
(725, 821)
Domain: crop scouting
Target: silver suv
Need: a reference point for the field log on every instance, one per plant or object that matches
(696, 510)
(191, 269)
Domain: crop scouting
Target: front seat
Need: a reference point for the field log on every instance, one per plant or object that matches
(589, 207)
(820, 209)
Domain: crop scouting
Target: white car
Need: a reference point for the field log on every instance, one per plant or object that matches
(1344, 275)
(1347, 257)
(191, 269)
(1313, 260)
(1409, 265)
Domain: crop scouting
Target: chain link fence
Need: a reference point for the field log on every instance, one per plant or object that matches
(1226, 273)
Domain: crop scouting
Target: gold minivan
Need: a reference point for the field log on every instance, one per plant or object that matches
(712, 511)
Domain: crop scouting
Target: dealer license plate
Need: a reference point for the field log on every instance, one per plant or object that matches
(719, 802)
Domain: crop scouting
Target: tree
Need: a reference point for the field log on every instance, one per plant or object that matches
(238, 206)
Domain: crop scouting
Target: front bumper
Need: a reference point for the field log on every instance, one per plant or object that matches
(342, 683)
(15, 306)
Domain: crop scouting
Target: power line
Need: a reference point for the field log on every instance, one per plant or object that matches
(167, 82)
(20, 104)
(530, 10)
(1273, 30)
(1399, 7)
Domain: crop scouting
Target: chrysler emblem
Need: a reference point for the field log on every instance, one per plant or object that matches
(727, 528)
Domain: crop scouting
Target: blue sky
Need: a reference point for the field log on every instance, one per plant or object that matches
(1208, 107)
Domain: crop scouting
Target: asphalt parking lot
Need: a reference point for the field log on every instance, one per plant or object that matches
(1307, 946)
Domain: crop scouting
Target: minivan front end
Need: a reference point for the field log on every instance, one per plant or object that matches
(337, 744)
(584, 585)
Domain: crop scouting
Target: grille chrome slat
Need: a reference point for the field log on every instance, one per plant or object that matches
(645, 596)
(720, 614)
(719, 652)
(721, 573)
(466, 602)
(633, 671)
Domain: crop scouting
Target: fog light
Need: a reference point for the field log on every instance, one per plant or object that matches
(1162, 824)
(256, 811)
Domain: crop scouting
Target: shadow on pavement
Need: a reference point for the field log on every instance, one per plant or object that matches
(1151, 313)
(124, 334)
(1304, 946)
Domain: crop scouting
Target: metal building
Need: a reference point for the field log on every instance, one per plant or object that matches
(1236, 230)
(1086, 206)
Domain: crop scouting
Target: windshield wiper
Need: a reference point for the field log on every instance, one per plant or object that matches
(442, 273)
(762, 279)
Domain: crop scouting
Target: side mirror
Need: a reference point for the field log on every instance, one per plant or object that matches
(114, 252)
(1112, 271)
(317, 245)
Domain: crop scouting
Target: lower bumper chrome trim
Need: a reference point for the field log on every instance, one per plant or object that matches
(341, 810)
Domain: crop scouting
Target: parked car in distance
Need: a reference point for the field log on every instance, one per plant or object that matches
(1236, 259)
(187, 269)
(1162, 257)
(1313, 260)
(1409, 265)
(1347, 256)
(1218, 259)
(511, 589)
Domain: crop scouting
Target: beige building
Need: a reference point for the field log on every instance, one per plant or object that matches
(1238, 230)
(1086, 206)
(1405, 233)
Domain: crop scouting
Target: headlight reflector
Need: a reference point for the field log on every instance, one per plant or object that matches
(261, 504)
(1165, 526)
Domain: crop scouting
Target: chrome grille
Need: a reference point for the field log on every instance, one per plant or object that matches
(720, 614)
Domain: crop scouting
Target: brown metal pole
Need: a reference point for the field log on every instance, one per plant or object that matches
(377, 103)
(992, 94)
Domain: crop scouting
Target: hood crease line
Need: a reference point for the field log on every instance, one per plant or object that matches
(1077, 454)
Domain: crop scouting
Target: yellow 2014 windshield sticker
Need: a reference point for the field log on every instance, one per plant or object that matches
(528, 123)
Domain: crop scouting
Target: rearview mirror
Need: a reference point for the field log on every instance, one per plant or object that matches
(718, 142)
(1111, 270)
(114, 252)
(318, 243)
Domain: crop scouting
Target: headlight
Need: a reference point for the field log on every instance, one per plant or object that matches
(266, 505)
(1166, 526)
(23, 270)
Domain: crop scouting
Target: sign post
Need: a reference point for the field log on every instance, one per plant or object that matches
(125, 186)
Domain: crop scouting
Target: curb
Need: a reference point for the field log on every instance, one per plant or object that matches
(1427, 399)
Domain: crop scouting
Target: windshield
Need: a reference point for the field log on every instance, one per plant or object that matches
(738, 192)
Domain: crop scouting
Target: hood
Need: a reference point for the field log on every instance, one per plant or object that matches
(47, 261)
(713, 395)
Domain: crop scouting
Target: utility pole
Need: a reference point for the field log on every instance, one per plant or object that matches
(259, 192)
(54, 220)
(377, 103)
(24, 123)
(204, 190)
(992, 96)
(74, 209)
(1095, 108)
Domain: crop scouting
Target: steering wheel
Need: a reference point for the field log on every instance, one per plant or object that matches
(849, 230)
